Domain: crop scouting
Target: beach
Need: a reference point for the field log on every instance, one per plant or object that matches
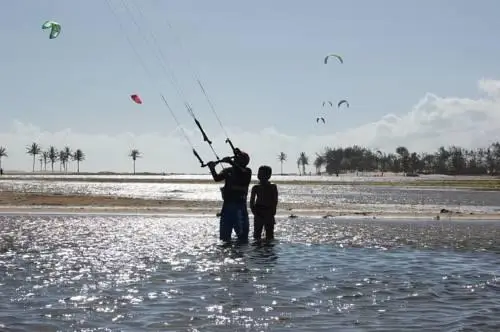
(13, 203)
(198, 194)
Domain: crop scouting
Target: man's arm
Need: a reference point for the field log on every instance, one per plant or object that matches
(218, 177)
(231, 162)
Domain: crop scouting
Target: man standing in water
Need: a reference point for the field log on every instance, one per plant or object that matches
(234, 214)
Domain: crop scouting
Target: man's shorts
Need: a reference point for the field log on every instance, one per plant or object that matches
(234, 215)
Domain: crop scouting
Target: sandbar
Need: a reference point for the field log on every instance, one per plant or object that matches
(25, 202)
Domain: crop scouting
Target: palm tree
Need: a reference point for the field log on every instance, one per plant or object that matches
(318, 163)
(282, 158)
(304, 160)
(298, 166)
(33, 149)
(45, 157)
(68, 153)
(52, 157)
(3, 153)
(134, 154)
(40, 159)
(62, 160)
(405, 157)
(380, 161)
(78, 156)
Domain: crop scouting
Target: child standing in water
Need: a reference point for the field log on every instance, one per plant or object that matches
(263, 203)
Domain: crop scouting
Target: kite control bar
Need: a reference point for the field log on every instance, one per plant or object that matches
(199, 158)
(206, 139)
(218, 161)
(228, 141)
(203, 164)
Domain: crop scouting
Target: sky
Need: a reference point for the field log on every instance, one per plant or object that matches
(416, 73)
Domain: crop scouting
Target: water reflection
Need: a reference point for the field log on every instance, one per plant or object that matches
(264, 252)
(150, 274)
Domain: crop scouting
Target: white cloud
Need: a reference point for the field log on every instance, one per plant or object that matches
(432, 122)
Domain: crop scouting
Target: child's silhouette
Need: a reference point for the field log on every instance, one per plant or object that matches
(263, 203)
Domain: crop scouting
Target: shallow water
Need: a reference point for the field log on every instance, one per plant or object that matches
(347, 177)
(368, 198)
(156, 273)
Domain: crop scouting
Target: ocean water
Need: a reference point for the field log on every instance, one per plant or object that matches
(349, 177)
(136, 273)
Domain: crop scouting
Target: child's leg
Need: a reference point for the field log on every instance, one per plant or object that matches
(257, 227)
(269, 225)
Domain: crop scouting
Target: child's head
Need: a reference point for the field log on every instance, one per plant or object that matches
(264, 173)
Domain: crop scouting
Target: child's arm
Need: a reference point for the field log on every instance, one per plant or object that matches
(253, 194)
(275, 198)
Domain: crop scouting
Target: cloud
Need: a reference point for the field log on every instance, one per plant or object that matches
(432, 122)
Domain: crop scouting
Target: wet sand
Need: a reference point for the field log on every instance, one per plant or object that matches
(17, 202)
(42, 201)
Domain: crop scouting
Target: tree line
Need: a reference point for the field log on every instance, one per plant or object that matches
(453, 160)
(52, 156)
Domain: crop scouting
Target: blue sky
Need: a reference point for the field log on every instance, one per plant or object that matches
(260, 61)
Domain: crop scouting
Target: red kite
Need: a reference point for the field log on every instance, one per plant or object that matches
(136, 98)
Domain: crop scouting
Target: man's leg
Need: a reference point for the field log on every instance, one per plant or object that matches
(226, 222)
(242, 226)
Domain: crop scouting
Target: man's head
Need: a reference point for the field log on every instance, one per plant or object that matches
(241, 158)
(264, 173)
